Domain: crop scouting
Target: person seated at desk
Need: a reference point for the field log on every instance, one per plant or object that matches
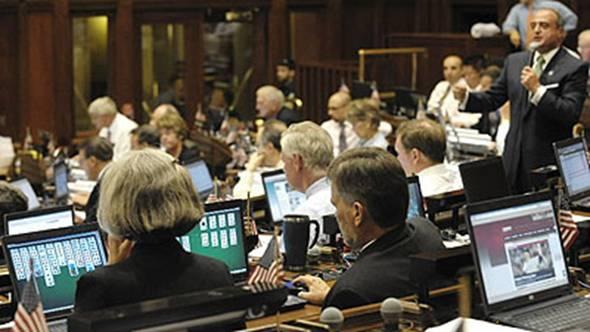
(306, 152)
(421, 146)
(11, 200)
(95, 154)
(173, 134)
(145, 136)
(363, 114)
(370, 192)
(266, 158)
(147, 200)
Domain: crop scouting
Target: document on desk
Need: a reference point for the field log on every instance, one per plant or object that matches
(579, 217)
(472, 325)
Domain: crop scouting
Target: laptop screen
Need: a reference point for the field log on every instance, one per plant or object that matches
(282, 198)
(25, 186)
(574, 167)
(518, 250)
(60, 258)
(39, 220)
(201, 177)
(60, 176)
(220, 235)
(484, 179)
(416, 205)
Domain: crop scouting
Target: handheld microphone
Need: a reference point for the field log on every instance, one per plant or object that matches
(391, 311)
(332, 317)
(533, 46)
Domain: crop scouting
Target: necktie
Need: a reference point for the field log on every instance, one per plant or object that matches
(342, 145)
(538, 69)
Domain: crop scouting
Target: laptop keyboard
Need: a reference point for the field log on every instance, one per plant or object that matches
(559, 317)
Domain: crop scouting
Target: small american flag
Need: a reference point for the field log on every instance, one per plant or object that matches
(270, 268)
(29, 316)
(568, 228)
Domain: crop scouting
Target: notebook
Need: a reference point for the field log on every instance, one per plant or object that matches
(281, 197)
(24, 185)
(484, 179)
(39, 220)
(573, 167)
(416, 202)
(60, 258)
(60, 179)
(201, 177)
(521, 266)
(220, 235)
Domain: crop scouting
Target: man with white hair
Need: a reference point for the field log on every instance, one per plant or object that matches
(112, 125)
(306, 151)
(269, 105)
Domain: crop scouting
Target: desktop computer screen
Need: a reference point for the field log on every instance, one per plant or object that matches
(201, 177)
(282, 198)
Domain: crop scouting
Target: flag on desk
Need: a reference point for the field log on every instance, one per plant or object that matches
(29, 314)
(269, 268)
(569, 229)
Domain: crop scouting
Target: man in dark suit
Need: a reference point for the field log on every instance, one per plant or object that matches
(370, 193)
(546, 89)
(270, 105)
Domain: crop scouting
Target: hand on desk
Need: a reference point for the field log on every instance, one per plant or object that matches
(318, 289)
(118, 249)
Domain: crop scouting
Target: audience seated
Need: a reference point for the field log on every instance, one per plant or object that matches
(266, 158)
(363, 114)
(145, 136)
(269, 105)
(173, 137)
(472, 71)
(11, 200)
(421, 147)
(339, 129)
(113, 126)
(370, 192)
(306, 151)
(147, 200)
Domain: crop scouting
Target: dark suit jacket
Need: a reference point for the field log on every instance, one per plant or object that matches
(534, 128)
(289, 116)
(382, 270)
(152, 271)
(92, 204)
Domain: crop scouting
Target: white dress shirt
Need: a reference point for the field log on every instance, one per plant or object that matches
(118, 133)
(251, 182)
(439, 179)
(377, 141)
(317, 203)
(352, 140)
(442, 99)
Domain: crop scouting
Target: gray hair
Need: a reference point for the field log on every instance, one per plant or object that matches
(102, 106)
(272, 93)
(311, 142)
(145, 194)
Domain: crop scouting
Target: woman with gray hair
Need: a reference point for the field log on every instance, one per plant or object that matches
(146, 201)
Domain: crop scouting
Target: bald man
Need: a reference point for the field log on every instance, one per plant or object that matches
(339, 129)
(441, 100)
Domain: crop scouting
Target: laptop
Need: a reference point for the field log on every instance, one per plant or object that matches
(416, 202)
(60, 258)
(39, 220)
(484, 179)
(573, 167)
(521, 266)
(201, 177)
(60, 179)
(25, 186)
(281, 197)
(220, 235)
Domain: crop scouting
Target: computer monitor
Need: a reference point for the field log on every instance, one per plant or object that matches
(484, 179)
(573, 166)
(517, 249)
(39, 220)
(60, 179)
(220, 235)
(201, 177)
(24, 185)
(60, 257)
(415, 203)
(281, 197)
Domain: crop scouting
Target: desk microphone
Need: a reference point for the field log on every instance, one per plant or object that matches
(391, 311)
(332, 317)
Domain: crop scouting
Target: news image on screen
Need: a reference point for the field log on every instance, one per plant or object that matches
(282, 198)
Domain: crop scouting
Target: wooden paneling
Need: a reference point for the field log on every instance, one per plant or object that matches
(9, 115)
(305, 41)
(124, 88)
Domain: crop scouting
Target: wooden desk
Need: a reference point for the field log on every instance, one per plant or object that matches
(308, 311)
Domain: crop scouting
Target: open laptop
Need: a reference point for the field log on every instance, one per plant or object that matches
(60, 258)
(60, 179)
(220, 235)
(39, 220)
(281, 197)
(201, 177)
(416, 202)
(573, 167)
(25, 186)
(521, 266)
(484, 179)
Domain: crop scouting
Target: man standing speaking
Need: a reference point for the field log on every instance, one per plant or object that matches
(546, 88)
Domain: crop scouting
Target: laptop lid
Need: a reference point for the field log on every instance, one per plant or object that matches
(484, 179)
(60, 258)
(39, 220)
(281, 197)
(416, 202)
(573, 166)
(201, 177)
(60, 178)
(24, 185)
(220, 235)
(517, 250)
